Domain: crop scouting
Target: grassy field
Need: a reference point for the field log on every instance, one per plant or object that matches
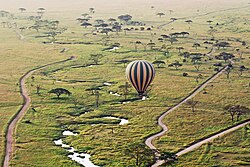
(231, 150)
(105, 139)
(17, 58)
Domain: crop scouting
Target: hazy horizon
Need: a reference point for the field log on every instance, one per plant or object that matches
(61, 5)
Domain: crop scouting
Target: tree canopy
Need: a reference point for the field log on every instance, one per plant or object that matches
(60, 91)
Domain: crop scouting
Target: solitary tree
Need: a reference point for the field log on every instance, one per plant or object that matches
(125, 89)
(151, 45)
(22, 28)
(170, 11)
(97, 98)
(91, 10)
(160, 14)
(179, 49)
(40, 11)
(159, 63)
(140, 154)
(22, 9)
(209, 22)
(199, 76)
(236, 110)
(176, 64)
(60, 91)
(124, 62)
(192, 104)
(172, 40)
(38, 88)
(95, 58)
(169, 158)
(85, 15)
(136, 44)
(228, 71)
(197, 66)
(4, 23)
(242, 68)
(93, 89)
(189, 22)
(196, 45)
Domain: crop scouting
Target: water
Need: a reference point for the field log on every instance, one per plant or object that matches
(81, 158)
(122, 121)
(69, 133)
(115, 94)
(113, 49)
(107, 84)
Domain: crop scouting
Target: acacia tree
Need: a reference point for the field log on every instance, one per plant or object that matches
(176, 64)
(209, 22)
(236, 110)
(197, 66)
(111, 20)
(159, 63)
(22, 9)
(160, 14)
(85, 15)
(179, 49)
(239, 52)
(95, 58)
(228, 71)
(242, 68)
(125, 18)
(151, 45)
(225, 56)
(91, 10)
(169, 158)
(97, 98)
(4, 23)
(124, 62)
(40, 11)
(172, 40)
(38, 88)
(199, 76)
(189, 22)
(86, 24)
(60, 91)
(222, 45)
(196, 45)
(136, 44)
(93, 89)
(140, 154)
(192, 104)
(125, 89)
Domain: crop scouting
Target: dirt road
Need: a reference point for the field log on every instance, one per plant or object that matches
(10, 135)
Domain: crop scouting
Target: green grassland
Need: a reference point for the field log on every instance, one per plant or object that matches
(17, 58)
(104, 139)
(231, 150)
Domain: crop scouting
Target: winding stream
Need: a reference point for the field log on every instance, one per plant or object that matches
(82, 158)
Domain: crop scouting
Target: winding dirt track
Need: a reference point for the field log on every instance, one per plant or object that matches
(10, 138)
(149, 140)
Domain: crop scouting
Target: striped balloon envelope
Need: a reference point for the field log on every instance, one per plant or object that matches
(140, 74)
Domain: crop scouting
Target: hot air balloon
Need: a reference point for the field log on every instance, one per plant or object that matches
(140, 74)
